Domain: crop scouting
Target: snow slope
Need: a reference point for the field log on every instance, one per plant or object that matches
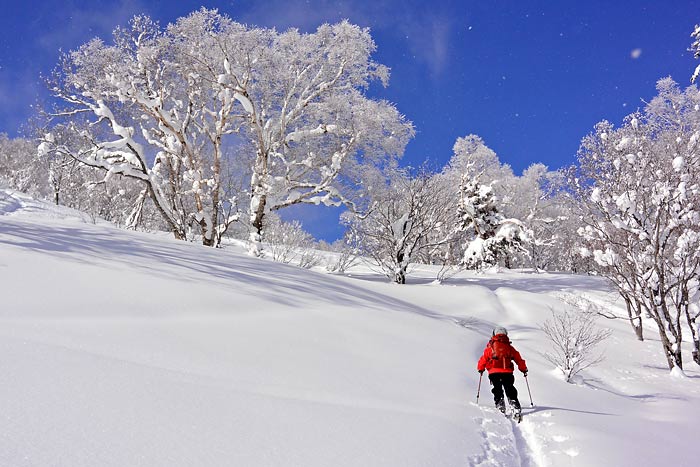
(125, 348)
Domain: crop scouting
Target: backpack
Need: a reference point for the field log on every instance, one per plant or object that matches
(501, 353)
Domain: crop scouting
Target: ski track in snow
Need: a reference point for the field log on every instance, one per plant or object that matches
(509, 444)
(527, 444)
(503, 445)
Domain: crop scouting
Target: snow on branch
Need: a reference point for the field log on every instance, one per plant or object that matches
(299, 135)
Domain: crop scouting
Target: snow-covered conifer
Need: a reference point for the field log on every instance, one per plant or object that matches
(491, 235)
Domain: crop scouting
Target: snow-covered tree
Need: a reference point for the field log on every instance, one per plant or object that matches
(308, 117)
(695, 48)
(165, 104)
(76, 185)
(558, 245)
(404, 214)
(538, 198)
(490, 234)
(155, 111)
(537, 201)
(474, 160)
(529, 198)
(573, 336)
(19, 168)
(63, 180)
(640, 184)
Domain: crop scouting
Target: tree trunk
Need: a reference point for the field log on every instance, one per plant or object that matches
(256, 220)
(692, 324)
(678, 357)
(400, 271)
(216, 190)
(177, 231)
(207, 240)
(635, 321)
(668, 351)
(132, 222)
(673, 357)
(258, 201)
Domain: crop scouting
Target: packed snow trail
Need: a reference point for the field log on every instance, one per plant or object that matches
(504, 444)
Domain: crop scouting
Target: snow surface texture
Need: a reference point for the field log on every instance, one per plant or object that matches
(122, 348)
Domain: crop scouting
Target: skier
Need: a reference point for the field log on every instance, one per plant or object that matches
(498, 360)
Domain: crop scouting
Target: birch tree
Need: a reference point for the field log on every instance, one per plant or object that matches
(163, 105)
(308, 117)
(155, 112)
(640, 184)
(403, 219)
(695, 48)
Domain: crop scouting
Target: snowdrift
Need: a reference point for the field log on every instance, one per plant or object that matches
(126, 348)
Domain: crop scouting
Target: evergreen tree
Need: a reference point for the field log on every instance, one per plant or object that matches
(492, 235)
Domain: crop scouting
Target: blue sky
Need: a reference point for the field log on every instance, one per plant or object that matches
(530, 77)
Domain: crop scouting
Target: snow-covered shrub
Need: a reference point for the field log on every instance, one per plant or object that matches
(574, 338)
(346, 254)
(289, 243)
(19, 168)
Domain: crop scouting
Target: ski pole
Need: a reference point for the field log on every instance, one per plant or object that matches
(528, 391)
(479, 388)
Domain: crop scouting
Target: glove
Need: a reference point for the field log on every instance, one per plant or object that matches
(481, 372)
(525, 373)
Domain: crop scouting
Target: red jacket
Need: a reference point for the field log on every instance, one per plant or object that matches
(499, 355)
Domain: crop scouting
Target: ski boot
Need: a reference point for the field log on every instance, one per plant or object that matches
(517, 410)
(501, 405)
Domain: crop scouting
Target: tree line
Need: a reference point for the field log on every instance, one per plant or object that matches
(207, 127)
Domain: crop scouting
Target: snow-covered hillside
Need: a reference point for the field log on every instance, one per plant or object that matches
(130, 349)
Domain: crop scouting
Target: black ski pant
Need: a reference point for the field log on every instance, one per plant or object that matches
(504, 382)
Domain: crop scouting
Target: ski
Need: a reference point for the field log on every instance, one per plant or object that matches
(508, 412)
(517, 416)
(514, 414)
